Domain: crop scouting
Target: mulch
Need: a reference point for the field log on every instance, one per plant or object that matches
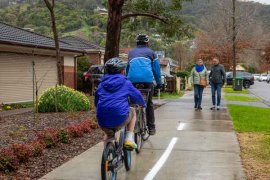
(24, 128)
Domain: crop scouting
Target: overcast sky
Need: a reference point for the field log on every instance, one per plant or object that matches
(263, 1)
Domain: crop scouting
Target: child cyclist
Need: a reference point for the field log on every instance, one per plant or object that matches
(112, 102)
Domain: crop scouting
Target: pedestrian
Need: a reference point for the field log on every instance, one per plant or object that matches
(217, 78)
(199, 79)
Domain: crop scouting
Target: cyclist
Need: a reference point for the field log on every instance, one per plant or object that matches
(143, 67)
(112, 102)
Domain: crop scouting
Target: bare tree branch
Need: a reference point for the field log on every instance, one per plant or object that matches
(161, 18)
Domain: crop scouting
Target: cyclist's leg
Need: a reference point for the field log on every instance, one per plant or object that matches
(129, 141)
(150, 115)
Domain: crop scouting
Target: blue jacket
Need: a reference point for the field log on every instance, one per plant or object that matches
(112, 100)
(143, 66)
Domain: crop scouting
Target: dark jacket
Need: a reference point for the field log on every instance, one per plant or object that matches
(217, 74)
(112, 100)
(143, 66)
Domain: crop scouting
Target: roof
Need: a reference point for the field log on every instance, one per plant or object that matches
(80, 43)
(164, 62)
(17, 36)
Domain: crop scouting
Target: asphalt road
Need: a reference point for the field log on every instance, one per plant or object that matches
(262, 90)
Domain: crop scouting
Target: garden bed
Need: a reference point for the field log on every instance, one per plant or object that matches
(27, 128)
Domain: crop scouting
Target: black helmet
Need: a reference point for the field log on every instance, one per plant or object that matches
(142, 38)
(115, 65)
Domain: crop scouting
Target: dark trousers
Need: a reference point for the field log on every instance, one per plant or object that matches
(198, 92)
(150, 115)
(216, 89)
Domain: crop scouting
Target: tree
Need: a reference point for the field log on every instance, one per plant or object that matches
(51, 7)
(120, 10)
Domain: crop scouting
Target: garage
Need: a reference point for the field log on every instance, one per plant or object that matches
(16, 76)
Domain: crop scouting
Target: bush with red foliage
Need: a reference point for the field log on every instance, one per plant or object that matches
(22, 151)
(37, 147)
(86, 126)
(49, 137)
(75, 131)
(8, 160)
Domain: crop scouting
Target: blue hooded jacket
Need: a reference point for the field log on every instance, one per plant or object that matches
(143, 66)
(112, 100)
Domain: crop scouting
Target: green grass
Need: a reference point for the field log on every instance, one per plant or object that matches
(241, 98)
(250, 119)
(166, 95)
(230, 90)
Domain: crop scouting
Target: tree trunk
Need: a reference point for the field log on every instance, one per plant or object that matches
(57, 48)
(50, 6)
(113, 29)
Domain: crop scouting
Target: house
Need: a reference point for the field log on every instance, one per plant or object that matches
(94, 52)
(168, 65)
(19, 50)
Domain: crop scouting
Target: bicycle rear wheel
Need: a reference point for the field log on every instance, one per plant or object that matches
(138, 136)
(127, 159)
(145, 134)
(107, 170)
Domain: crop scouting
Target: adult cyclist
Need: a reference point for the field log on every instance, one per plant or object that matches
(143, 67)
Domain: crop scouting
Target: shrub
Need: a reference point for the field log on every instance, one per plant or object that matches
(64, 99)
(64, 136)
(182, 74)
(8, 161)
(75, 131)
(49, 136)
(22, 151)
(37, 147)
(86, 126)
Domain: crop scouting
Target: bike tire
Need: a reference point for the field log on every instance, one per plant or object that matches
(138, 137)
(107, 171)
(145, 134)
(127, 159)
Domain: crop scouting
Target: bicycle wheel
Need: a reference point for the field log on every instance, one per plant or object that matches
(127, 159)
(145, 134)
(138, 136)
(107, 170)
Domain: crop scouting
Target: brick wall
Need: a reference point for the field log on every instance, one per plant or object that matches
(95, 58)
(69, 76)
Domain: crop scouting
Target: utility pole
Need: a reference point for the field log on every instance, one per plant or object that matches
(234, 39)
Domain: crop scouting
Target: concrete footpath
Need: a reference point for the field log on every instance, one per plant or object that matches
(189, 145)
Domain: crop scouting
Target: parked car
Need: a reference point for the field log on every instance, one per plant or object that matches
(256, 77)
(268, 78)
(248, 78)
(263, 77)
(93, 76)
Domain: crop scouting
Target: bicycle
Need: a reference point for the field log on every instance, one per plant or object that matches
(141, 132)
(115, 156)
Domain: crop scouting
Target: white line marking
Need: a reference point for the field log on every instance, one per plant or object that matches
(161, 160)
(181, 126)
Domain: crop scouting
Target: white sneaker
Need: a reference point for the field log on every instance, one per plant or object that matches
(218, 108)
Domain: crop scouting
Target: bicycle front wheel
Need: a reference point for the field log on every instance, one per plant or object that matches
(108, 171)
(127, 159)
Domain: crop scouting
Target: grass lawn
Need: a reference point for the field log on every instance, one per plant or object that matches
(253, 127)
(230, 90)
(250, 119)
(166, 95)
(241, 98)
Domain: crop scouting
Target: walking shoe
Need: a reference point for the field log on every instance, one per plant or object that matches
(130, 145)
(218, 108)
(199, 108)
(195, 107)
(213, 108)
(152, 132)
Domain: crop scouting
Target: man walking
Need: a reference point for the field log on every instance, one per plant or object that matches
(143, 67)
(217, 78)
